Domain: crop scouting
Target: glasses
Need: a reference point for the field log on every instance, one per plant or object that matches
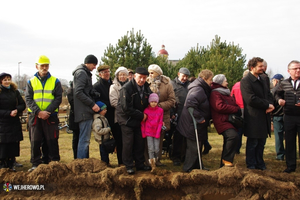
(295, 69)
(105, 72)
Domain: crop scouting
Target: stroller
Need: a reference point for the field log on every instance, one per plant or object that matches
(167, 142)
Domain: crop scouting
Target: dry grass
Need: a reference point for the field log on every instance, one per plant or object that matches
(211, 160)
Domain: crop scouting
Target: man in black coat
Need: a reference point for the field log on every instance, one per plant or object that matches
(258, 103)
(133, 101)
(288, 96)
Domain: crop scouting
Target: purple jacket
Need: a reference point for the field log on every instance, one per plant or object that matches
(152, 126)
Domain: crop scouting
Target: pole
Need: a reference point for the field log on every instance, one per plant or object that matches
(19, 74)
(191, 110)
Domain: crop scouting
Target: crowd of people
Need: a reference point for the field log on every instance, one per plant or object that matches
(139, 107)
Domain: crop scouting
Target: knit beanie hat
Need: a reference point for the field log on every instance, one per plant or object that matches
(155, 68)
(122, 69)
(219, 78)
(101, 105)
(153, 97)
(91, 59)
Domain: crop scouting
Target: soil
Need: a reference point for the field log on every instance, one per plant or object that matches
(92, 179)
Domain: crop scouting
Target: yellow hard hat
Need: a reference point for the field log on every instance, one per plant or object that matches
(43, 60)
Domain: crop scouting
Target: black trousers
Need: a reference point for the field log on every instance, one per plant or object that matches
(191, 157)
(117, 133)
(133, 147)
(291, 127)
(44, 131)
(230, 143)
(178, 148)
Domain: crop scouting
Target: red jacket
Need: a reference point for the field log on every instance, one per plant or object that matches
(152, 126)
(221, 106)
(236, 92)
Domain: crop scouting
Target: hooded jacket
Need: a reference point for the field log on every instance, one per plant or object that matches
(152, 126)
(100, 128)
(221, 106)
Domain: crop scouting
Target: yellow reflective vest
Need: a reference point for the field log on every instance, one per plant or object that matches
(42, 95)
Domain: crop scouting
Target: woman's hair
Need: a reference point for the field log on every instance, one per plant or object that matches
(206, 74)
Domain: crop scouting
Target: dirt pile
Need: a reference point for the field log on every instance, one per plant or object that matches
(91, 179)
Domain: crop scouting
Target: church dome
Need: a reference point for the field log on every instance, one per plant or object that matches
(163, 52)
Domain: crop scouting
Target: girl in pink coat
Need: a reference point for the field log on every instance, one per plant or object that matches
(151, 127)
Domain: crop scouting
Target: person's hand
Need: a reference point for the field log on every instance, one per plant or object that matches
(44, 115)
(13, 113)
(202, 122)
(145, 117)
(298, 102)
(96, 108)
(281, 102)
(173, 117)
(270, 109)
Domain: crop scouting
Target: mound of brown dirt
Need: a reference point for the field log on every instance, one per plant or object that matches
(91, 179)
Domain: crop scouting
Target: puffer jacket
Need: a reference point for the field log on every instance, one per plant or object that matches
(100, 127)
(83, 94)
(152, 126)
(10, 127)
(286, 91)
(131, 106)
(166, 96)
(197, 98)
(221, 106)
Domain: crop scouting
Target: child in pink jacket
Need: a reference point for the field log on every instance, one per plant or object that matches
(151, 127)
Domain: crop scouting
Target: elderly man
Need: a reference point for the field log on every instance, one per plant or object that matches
(258, 103)
(43, 97)
(180, 85)
(288, 96)
(133, 101)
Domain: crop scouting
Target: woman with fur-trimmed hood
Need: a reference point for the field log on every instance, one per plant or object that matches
(162, 86)
(11, 106)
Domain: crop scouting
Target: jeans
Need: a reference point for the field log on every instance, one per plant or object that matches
(85, 128)
(254, 153)
(278, 133)
(104, 155)
(153, 146)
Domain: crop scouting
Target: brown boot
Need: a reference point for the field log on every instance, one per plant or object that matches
(152, 162)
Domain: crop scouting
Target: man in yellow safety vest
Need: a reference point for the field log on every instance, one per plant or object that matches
(43, 97)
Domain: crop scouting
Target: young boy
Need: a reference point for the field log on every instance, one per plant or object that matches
(101, 130)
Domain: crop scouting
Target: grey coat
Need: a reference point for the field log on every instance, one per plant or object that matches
(83, 94)
(256, 98)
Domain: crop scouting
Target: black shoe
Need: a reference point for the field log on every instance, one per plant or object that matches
(289, 170)
(144, 168)
(16, 164)
(32, 168)
(176, 163)
(206, 149)
(130, 171)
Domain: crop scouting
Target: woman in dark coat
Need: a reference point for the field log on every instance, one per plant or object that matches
(197, 98)
(11, 106)
(222, 104)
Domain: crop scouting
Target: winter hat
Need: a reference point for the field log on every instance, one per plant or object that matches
(2, 75)
(185, 71)
(141, 70)
(155, 68)
(101, 105)
(219, 78)
(153, 97)
(278, 77)
(122, 69)
(91, 59)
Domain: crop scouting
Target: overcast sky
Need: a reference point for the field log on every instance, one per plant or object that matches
(66, 31)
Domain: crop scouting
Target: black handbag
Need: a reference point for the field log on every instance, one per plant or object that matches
(236, 120)
(109, 144)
